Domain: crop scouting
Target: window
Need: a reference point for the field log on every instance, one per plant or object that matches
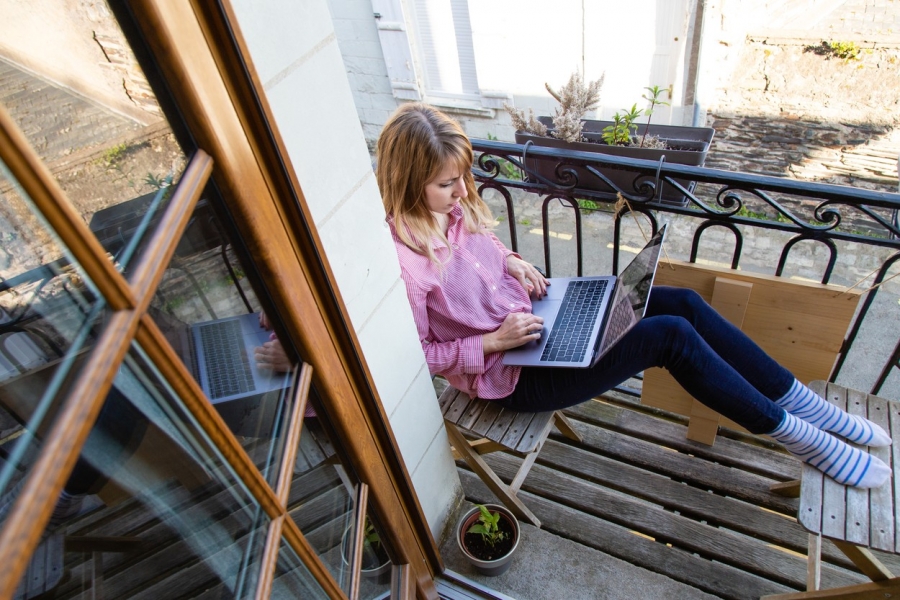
(122, 455)
(429, 52)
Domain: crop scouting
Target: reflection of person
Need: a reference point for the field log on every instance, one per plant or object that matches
(470, 301)
(271, 355)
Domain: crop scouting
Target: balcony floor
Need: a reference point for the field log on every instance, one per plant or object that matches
(637, 510)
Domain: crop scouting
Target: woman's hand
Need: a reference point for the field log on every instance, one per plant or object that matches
(517, 329)
(271, 356)
(527, 274)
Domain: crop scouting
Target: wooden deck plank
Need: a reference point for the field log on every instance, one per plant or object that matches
(773, 463)
(685, 499)
(683, 467)
(619, 541)
(712, 543)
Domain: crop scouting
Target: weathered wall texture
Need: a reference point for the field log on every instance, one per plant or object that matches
(790, 111)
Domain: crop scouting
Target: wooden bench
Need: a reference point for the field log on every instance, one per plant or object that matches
(494, 428)
(854, 519)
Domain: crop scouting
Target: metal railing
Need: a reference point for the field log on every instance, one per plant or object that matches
(837, 217)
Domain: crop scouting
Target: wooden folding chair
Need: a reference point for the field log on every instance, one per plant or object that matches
(494, 428)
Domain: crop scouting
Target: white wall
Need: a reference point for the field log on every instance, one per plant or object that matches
(294, 49)
(522, 44)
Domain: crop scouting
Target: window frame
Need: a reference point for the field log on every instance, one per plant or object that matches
(212, 86)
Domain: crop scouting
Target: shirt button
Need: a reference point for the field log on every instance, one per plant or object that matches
(512, 305)
(456, 246)
(493, 287)
(477, 265)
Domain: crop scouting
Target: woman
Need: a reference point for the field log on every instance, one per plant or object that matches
(471, 301)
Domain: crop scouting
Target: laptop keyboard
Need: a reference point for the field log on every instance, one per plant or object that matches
(228, 369)
(571, 330)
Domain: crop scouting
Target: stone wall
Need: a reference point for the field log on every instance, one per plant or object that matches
(794, 112)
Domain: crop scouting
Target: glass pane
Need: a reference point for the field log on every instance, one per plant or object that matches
(151, 509)
(375, 578)
(211, 316)
(85, 106)
(50, 315)
(322, 504)
(293, 579)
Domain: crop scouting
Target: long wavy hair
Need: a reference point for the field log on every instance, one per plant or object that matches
(415, 145)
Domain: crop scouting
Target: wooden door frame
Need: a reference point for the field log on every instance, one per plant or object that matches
(203, 58)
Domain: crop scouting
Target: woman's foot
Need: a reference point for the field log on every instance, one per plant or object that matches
(805, 404)
(842, 462)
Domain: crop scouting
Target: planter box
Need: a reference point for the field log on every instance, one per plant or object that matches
(692, 145)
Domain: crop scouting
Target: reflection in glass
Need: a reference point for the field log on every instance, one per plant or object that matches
(322, 504)
(50, 313)
(151, 507)
(292, 578)
(213, 320)
(86, 109)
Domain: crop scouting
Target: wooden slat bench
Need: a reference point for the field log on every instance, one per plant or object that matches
(854, 519)
(494, 428)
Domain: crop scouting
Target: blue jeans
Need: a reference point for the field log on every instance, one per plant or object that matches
(708, 356)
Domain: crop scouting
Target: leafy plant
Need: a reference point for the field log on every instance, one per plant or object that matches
(488, 526)
(622, 130)
(370, 536)
(158, 182)
(112, 156)
(844, 50)
(654, 100)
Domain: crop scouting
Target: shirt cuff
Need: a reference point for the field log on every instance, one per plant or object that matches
(473, 355)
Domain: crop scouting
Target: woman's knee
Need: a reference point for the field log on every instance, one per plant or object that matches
(666, 337)
(676, 301)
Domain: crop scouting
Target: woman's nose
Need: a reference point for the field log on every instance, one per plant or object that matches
(460, 190)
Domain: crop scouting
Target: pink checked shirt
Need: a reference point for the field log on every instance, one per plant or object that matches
(454, 305)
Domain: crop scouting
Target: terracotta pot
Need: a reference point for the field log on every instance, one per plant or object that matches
(497, 566)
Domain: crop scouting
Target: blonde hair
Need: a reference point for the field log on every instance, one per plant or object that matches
(415, 145)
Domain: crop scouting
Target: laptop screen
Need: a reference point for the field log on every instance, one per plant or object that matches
(637, 278)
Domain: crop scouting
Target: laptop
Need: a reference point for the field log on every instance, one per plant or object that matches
(219, 354)
(585, 316)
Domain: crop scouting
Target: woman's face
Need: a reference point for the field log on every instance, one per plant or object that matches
(446, 190)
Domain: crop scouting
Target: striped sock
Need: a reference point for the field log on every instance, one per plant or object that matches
(842, 462)
(805, 404)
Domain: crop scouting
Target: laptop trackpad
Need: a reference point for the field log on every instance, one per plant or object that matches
(547, 310)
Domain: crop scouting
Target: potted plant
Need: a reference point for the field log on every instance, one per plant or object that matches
(375, 562)
(568, 129)
(488, 535)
